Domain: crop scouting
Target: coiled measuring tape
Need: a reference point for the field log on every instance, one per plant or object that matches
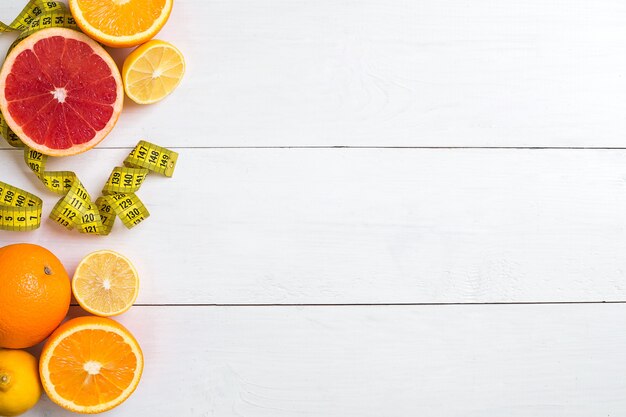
(37, 15)
(77, 210)
(21, 211)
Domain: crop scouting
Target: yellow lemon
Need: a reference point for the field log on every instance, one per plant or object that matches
(105, 283)
(20, 388)
(152, 71)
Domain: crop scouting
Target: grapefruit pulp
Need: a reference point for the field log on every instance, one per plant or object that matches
(60, 92)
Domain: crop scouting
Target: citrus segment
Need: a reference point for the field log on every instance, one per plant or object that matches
(105, 283)
(121, 23)
(152, 71)
(90, 365)
(34, 295)
(62, 92)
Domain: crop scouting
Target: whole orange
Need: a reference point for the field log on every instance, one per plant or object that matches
(34, 295)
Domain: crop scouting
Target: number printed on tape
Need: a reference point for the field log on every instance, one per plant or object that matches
(21, 211)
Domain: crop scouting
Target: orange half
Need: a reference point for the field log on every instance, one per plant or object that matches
(90, 365)
(121, 23)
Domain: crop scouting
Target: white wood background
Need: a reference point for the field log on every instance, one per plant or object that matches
(389, 208)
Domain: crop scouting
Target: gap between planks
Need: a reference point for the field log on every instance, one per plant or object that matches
(494, 303)
(574, 148)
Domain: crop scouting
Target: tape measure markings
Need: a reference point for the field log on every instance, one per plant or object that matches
(19, 210)
(76, 209)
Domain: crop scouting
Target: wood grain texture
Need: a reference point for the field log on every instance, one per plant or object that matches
(350, 226)
(453, 361)
(364, 225)
(389, 73)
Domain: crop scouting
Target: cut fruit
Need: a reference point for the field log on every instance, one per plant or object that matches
(105, 283)
(121, 23)
(60, 92)
(90, 365)
(152, 71)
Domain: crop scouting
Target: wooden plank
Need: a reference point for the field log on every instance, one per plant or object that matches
(389, 73)
(363, 225)
(476, 361)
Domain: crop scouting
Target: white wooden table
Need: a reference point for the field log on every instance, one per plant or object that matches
(382, 208)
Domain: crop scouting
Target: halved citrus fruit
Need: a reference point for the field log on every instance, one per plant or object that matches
(60, 92)
(152, 71)
(105, 283)
(121, 23)
(90, 365)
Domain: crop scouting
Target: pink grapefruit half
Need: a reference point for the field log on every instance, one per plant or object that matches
(60, 92)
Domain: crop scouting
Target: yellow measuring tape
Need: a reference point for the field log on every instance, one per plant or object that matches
(21, 211)
(77, 210)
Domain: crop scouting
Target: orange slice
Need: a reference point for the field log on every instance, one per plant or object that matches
(152, 71)
(121, 23)
(105, 283)
(90, 365)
